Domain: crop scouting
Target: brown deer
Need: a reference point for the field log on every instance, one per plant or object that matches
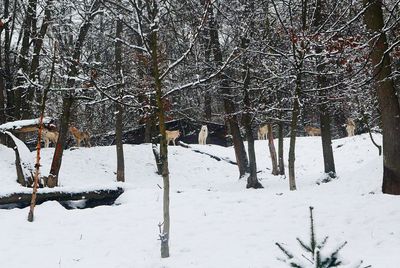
(312, 131)
(80, 136)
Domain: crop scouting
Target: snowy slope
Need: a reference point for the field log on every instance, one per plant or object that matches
(216, 222)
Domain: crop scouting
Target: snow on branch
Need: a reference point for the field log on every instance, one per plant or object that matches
(232, 57)
(184, 55)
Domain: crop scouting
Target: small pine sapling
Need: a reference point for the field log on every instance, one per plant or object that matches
(314, 258)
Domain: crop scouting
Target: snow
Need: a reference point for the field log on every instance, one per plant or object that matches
(23, 123)
(215, 221)
(26, 158)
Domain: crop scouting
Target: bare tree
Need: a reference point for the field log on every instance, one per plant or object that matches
(386, 93)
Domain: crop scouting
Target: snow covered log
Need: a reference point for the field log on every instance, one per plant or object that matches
(29, 125)
(23, 160)
(92, 198)
(184, 145)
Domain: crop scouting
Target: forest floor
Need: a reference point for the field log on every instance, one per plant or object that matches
(215, 220)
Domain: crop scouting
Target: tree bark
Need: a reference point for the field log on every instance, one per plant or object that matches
(52, 180)
(21, 106)
(252, 181)
(2, 92)
(387, 99)
(326, 137)
(165, 235)
(325, 118)
(272, 151)
(119, 108)
(293, 132)
(7, 63)
(38, 41)
(229, 106)
(206, 44)
(280, 149)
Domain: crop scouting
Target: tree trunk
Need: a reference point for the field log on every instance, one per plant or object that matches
(280, 149)
(206, 45)
(2, 86)
(165, 234)
(387, 99)
(252, 181)
(52, 180)
(119, 108)
(325, 118)
(293, 132)
(38, 42)
(229, 106)
(272, 150)
(329, 161)
(21, 106)
(2, 94)
(7, 63)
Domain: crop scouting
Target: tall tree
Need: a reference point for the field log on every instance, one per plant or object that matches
(325, 118)
(229, 105)
(386, 94)
(119, 108)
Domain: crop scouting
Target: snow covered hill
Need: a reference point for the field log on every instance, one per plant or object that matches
(215, 221)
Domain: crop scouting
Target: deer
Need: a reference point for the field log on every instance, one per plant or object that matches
(80, 136)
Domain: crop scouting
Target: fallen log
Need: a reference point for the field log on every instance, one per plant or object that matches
(184, 145)
(92, 198)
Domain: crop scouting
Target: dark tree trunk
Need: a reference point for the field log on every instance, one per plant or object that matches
(252, 181)
(7, 63)
(293, 132)
(37, 48)
(206, 45)
(280, 149)
(229, 106)
(329, 161)
(118, 142)
(325, 118)
(52, 180)
(119, 107)
(387, 99)
(38, 43)
(272, 150)
(2, 92)
(21, 106)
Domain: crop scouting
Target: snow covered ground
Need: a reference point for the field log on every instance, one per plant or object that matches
(216, 222)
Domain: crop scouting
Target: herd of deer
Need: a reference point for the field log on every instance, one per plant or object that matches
(79, 136)
(262, 132)
(172, 135)
(311, 131)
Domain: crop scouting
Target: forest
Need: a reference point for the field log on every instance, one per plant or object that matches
(210, 87)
